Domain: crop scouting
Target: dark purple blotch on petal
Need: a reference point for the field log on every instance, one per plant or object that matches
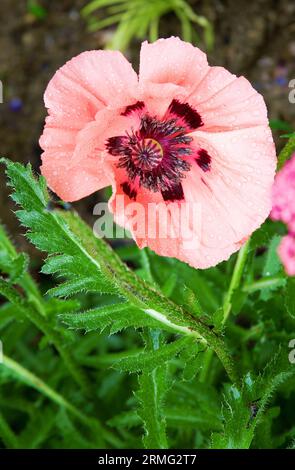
(138, 106)
(186, 112)
(204, 160)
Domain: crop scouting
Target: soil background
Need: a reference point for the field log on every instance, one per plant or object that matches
(252, 38)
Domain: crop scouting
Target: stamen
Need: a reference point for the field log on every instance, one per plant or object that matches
(147, 154)
(158, 154)
(116, 145)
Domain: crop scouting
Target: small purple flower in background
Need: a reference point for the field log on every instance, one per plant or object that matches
(15, 104)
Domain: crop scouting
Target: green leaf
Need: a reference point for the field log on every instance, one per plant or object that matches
(217, 319)
(169, 284)
(290, 297)
(115, 316)
(151, 394)
(244, 409)
(36, 10)
(68, 257)
(11, 263)
(31, 194)
(7, 291)
(272, 266)
(148, 360)
(272, 263)
(288, 136)
(137, 19)
(264, 438)
(16, 267)
(8, 312)
(279, 125)
(153, 387)
(192, 360)
(192, 302)
(186, 417)
(127, 419)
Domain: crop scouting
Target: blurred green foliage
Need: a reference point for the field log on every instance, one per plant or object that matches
(36, 10)
(139, 19)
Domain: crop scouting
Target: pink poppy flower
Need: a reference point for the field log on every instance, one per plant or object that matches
(283, 195)
(283, 209)
(180, 132)
(287, 254)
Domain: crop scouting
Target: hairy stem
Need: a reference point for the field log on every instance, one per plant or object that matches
(286, 152)
(235, 280)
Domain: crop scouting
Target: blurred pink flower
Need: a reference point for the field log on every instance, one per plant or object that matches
(283, 195)
(287, 253)
(179, 132)
(283, 200)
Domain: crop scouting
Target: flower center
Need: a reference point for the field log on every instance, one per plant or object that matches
(147, 154)
(159, 153)
(154, 156)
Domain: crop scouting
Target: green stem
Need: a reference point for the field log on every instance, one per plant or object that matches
(176, 317)
(191, 326)
(286, 152)
(35, 382)
(235, 280)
